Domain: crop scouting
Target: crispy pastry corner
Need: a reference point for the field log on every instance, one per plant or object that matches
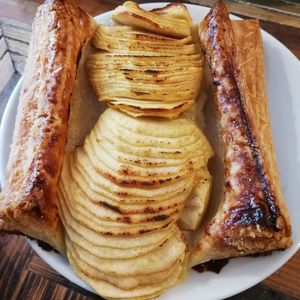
(28, 199)
(252, 217)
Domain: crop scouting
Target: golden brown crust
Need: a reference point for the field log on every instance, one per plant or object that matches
(253, 217)
(249, 59)
(28, 199)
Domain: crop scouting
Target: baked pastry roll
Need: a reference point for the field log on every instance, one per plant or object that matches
(28, 199)
(252, 217)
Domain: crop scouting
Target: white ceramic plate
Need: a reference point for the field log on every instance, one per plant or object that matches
(282, 70)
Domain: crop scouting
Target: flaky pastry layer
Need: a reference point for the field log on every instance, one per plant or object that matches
(28, 198)
(252, 217)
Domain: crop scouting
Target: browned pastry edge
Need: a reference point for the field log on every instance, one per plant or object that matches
(253, 217)
(251, 82)
(28, 199)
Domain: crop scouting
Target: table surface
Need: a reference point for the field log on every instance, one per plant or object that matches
(25, 276)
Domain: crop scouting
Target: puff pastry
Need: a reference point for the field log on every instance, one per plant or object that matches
(253, 217)
(28, 199)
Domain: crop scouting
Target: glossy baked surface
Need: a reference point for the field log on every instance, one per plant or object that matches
(28, 199)
(252, 217)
